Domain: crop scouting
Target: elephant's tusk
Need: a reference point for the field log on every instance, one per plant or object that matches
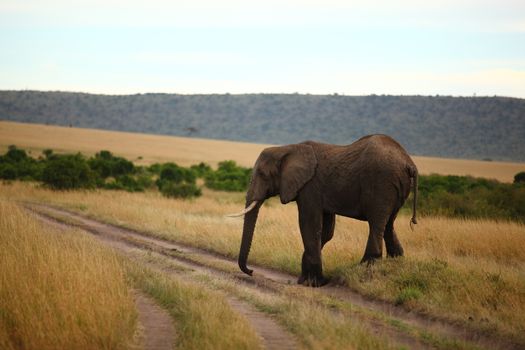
(249, 208)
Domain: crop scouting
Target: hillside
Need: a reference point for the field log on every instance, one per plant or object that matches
(452, 127)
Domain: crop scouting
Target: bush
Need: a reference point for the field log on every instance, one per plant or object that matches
(174, 173)
(229, 177)
(16, 164)
(105, 164)
(126, 183)
(67, 172)
(179, 190)
(452, 184)
(7, 171)
(201, 169)
(155, 168)
(15, 155)
(48, 153)
(464, 196)
(145, 181)
(519, 177)
(177, 182)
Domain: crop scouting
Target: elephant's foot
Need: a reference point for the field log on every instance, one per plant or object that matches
(394, 252)
(312, 281)
(369, 259)
(393, 249)
(312, 276)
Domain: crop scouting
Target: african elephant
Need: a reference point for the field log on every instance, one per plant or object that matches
(368, 180)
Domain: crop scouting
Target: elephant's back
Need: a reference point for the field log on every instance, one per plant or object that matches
(383, 151)
(373, 152)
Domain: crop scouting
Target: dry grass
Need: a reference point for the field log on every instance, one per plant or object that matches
(469, 271)
(187, 151)
(59, 291)
(151, 148)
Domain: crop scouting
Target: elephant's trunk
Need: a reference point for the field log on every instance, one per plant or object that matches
(247, 235)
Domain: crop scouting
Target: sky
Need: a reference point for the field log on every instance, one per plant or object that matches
(458, 48)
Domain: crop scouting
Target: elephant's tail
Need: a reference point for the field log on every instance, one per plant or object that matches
(412, 171)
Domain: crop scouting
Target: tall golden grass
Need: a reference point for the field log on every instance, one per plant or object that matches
(465, 270)
(146, 149)
(59, 290)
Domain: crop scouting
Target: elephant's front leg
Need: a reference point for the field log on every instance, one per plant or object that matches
(311, 225)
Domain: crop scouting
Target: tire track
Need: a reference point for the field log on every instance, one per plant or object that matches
(273, 281)
(157, 331)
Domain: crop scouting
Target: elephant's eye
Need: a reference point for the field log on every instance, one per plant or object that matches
(263, 174)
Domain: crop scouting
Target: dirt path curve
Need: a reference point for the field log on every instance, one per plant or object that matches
(264, 278)
(156, 326)
(272, 335)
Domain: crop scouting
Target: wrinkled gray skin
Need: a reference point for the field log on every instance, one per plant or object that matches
(368, 180)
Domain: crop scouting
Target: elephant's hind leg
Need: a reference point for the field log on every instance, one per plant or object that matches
(328, 228)
(393, 246)
(374, 245)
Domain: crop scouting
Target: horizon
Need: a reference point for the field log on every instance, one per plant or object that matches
(352, 48)
(256, 93)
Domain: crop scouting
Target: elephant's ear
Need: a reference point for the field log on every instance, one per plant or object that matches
(297, 168)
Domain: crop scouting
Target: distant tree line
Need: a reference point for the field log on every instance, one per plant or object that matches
(107, 171)
(469, 197)
(454, 196)
(485, 128)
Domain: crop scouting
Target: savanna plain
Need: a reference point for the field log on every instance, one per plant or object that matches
(64, 288)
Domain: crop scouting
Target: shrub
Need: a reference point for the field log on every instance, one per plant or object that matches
(174, 173)
(67, 172)
(15, 154)
(7, 171)
(126, 183)
(171, 189)
(105, 164)
(16, 164)
(48, 153)
(229, 177)
(144, 181)
(201, 169)
(464, 196)
(519, 177)
(177, 182)
(155, 168)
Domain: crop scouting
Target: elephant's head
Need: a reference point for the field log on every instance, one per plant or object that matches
(279, 171)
